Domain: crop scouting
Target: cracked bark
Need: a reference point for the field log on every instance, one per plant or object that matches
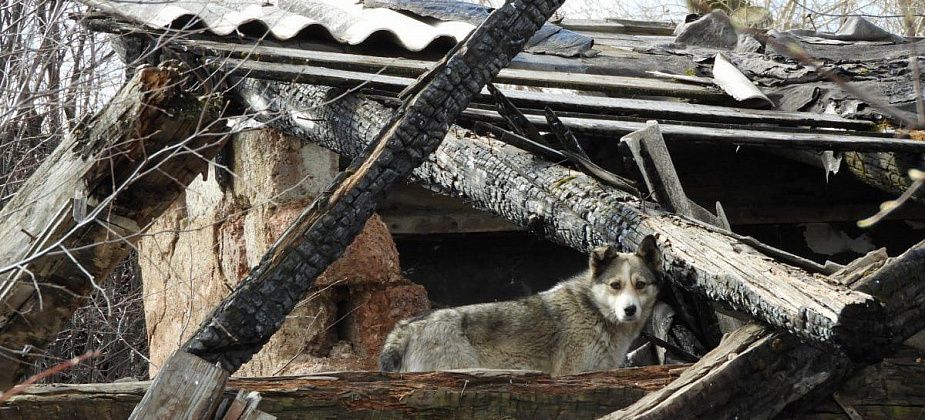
(572, 209)
(93, 196)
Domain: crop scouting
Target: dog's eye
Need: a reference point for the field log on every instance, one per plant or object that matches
(616, 285)
(641, 284)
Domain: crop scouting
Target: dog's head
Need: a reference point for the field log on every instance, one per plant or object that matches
(624, 285)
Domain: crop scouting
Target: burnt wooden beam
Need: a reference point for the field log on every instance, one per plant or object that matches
(246, 319)
(469, 394)
(617, 85)
(901, 286)
(593, 124)
(762, 373)
(571, 208)
(78, 215)
(819, 140)
(646, 108)
(753, 373)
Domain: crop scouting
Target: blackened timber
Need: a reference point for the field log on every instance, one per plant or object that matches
(577, 155)
(752, 374)
(79, 214)
(901, 286)
(616, 85)
(893, 389)
(818, 140)
(514, 118)
(572, 209)
(409, 68)
(249, 316)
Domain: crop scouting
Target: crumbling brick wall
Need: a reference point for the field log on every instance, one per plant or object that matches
(205, 244)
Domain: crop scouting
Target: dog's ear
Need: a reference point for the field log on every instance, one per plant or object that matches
(649, 252)
(600, 257)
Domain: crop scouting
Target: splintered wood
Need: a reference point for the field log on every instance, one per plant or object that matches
(78, 215)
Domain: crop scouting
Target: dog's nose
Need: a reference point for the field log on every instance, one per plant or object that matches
(630, 310)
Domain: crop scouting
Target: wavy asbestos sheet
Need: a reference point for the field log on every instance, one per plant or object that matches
(346, 21)
(550, 39)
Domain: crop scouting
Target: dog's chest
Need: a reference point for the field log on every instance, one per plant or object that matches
(604, 348)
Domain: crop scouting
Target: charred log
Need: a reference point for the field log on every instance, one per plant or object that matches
(573, 209)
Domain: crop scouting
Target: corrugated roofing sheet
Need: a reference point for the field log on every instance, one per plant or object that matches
(550, 39)
(347, 21)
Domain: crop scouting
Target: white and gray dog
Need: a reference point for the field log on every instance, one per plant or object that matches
(582, 324)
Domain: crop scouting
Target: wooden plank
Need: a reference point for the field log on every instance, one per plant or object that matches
(190, 388)
(646, 26)
(820, 140)
(654, 162)
(654, 109)
(615, 85)
(78, 215)
(618, 26)
(471, 394)
(893, 389)
(614, 106)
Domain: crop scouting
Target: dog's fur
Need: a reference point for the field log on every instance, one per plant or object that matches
(582, 324)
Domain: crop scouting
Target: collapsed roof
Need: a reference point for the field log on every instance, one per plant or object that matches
(717, 263)
(702, 81)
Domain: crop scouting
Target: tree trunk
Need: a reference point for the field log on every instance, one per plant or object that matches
(573, 209)
(80, 213)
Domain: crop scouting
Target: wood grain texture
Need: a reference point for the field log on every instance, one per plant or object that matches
(470, 394)
(893, 389)
(191, 388)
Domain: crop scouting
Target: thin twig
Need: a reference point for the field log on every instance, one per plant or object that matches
(888, 207)
(60, 367)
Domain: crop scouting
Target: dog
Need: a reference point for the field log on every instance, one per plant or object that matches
(586, 323)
